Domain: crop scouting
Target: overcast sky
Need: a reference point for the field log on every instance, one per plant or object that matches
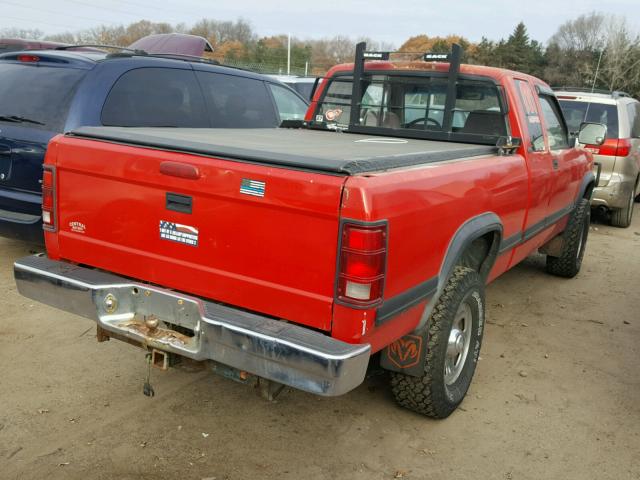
(390, 21)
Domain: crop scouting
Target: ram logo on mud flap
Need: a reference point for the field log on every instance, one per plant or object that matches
(405, 352)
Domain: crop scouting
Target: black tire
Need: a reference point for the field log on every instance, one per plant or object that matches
(621, 217)
(430, 394)
(575, 240)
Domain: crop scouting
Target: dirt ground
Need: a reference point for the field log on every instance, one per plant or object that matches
(556, 396)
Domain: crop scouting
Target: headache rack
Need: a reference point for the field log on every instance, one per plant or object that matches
(362, 55)
(451, 76)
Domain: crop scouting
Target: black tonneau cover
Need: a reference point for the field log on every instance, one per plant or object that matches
(342, 153)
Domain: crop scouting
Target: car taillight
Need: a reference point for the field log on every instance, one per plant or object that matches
(362, 263)
(612, 147)
(48, 199)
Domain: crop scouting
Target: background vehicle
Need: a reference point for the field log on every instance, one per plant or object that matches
(620, 153)
(305, 86)
(43, 93)
(374, 235)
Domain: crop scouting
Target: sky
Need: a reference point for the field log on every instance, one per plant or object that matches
(389, 21)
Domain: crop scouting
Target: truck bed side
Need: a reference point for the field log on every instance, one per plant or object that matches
(426, 207)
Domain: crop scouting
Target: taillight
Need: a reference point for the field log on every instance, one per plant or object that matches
(28, 58)
(612, 147)
(362, 263)
(48, 199)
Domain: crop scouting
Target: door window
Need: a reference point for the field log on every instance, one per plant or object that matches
(554, 125)
(290, 106)
(155, 97)
(530, 109)
(237, 102)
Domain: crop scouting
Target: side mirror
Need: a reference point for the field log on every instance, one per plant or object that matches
(592, 133)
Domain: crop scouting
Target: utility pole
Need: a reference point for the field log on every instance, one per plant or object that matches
(289, 55)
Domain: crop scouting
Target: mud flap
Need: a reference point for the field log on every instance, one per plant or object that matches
(406, 355)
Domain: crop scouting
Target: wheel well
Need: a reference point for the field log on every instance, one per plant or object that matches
(481, 253)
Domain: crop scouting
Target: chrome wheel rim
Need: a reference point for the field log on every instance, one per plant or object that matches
(458, 343)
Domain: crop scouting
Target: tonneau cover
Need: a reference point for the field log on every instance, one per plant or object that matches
(341, 153)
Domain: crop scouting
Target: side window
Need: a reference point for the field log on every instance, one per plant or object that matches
(155, 97)
(290, 106)
(634, 119)
(532, 117)
(237, 102)
(556, 129)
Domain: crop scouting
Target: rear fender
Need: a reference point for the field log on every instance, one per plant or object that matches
(407, 354)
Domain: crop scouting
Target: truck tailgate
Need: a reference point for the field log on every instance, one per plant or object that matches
(254, 236)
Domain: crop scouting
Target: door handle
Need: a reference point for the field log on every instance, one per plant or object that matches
(555, 162)
(5, 150)
(181, 170)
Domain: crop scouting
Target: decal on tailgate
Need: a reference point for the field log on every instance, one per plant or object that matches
(252, 187)
(179, 233)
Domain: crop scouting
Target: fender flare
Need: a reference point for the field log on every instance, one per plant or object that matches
(469, 231)
(588, 178)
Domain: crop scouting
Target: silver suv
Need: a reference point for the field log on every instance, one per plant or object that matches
(620, 153)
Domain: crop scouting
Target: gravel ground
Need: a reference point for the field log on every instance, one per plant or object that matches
(556, 396)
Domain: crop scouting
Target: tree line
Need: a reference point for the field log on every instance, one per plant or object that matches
(591, 43)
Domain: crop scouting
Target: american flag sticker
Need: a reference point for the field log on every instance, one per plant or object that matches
(252, 187)
(179, 233)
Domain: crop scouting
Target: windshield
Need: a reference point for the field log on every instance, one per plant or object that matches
(577, 112)
(416, 103)
(39, 95)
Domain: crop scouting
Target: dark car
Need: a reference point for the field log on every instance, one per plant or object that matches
(43, 93)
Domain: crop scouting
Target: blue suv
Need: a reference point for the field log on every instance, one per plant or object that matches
(43, 93)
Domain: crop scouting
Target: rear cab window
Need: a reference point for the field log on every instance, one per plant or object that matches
(155, 97)
(39, 95)
(416, 103)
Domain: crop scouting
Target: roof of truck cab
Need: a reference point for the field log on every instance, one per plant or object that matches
(326, 151)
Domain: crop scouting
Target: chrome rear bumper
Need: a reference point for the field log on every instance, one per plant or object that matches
(195, 328)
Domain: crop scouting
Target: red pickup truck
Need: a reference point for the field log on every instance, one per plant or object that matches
(296, 254)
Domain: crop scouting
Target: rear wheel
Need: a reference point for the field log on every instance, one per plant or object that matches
(452, 349)
(622, 217)
(575, 240)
